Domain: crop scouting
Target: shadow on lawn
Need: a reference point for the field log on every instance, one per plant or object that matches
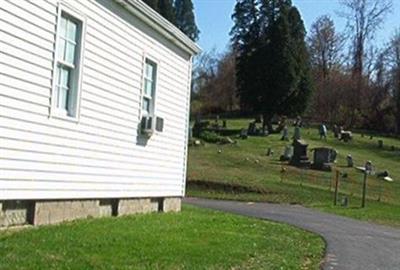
(226, 187)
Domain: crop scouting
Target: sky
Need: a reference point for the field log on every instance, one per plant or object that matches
(213, 18)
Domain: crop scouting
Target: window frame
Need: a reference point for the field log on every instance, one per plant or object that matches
(153, 99)
(55, 111)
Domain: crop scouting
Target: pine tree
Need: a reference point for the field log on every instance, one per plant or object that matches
(185, 19)
(297, 101)
(273, 71)
(153, 4)
(245, 38)
(167, 10)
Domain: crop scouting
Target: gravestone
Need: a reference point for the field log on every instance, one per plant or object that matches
(380, 144)
(252, 129)
(324, 158)
(287, 154)
(243, 134)
(336, 131)
(346, 136)
(349, 160)
(190, 133)
(285, 134)
(322, 131)
(297, 133)
(300, 158)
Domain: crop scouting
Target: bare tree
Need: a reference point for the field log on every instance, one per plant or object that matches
(225, 83)
(215, 84)
(325, 45)
(393, 57)
(364, 17)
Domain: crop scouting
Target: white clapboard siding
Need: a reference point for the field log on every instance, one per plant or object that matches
(100, 155)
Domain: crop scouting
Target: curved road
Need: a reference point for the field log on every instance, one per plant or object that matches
(351, 244)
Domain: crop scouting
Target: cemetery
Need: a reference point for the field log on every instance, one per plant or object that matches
(297, 166)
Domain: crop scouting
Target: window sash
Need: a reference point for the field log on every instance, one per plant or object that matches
(68, 58)
(149, 88)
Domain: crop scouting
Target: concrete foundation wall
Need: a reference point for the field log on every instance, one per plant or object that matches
(135, 206)
(14, 213)
(172, 205)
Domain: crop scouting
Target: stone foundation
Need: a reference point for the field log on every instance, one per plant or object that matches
(14, 213)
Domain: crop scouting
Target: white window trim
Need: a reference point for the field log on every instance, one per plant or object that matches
(147, 57)
(54, 111)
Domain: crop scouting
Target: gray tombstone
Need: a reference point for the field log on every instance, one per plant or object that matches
(287, 154)
(297, 133)
(243, 134)
(324, 158)
(190, 133)
(349, 160)
(285, 134)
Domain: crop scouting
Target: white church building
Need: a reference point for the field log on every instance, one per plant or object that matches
(94, 110)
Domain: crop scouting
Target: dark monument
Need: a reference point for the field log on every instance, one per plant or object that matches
(300, 158)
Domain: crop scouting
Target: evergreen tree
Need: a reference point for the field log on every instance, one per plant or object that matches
(185, 19)
(245, 39)
(296, 103)
(153, 4)
(273, 70)
(166, 9)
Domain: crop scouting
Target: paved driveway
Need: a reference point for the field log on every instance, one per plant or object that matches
(351, 244)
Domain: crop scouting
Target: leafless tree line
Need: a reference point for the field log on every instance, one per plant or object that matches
(358, 88)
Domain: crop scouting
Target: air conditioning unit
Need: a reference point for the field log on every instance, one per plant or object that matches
(146, 126)
(149, 124)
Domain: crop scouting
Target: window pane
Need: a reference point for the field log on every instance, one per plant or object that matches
(70, 53)
(63, 26)
(62, 98)
(146, 105)
(149, 71)
(148, 88)
(64, 76)
(71, 30)
(61, 49)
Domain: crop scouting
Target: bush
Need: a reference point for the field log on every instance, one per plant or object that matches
(212, 137)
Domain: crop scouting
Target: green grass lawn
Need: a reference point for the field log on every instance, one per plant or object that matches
(192, 239)
(244, 172)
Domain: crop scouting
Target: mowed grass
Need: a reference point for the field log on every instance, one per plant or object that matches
(193, 239)
(246, 165)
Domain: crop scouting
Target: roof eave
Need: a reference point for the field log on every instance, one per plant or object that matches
(161, 25)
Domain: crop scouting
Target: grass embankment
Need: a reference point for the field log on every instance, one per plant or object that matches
(244, 172)
(192, 239)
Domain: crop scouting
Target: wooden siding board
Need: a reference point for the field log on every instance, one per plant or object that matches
(98, 156)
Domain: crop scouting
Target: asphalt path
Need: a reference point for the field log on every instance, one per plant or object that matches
(351, 244)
